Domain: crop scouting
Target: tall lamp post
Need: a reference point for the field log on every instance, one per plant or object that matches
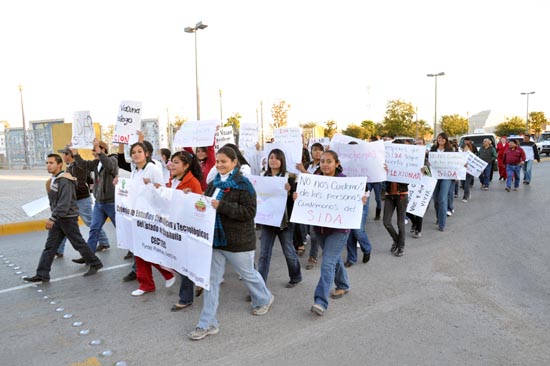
(527, 113)
(194, 29)
(435, 104)
(221, 109)
(24, 129)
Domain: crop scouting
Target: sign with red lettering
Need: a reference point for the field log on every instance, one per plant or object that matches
(128, 122)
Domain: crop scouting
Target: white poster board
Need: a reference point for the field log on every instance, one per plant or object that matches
(167, 227)
(290, 141)
(224, 135)
(35, 207)
(271, 196)
(325, 141)
(196, 134)
(405, 162)
(83, 130)
(334, 202)
(420, 195)
(475, 166)
(128, 122)
(248, 136)
(362, 160)
(448, 165)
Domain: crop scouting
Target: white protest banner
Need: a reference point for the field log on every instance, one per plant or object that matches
(325, 141)
(271, 197)
(529, 153)
(196, 134)
(35, 207)
(167, 227)
(405, 162)
(224, 135)
(329, 201)
(83, 130)
(290, 141)
(248, 136)
(420, 195)
(448, 165)
(475, 165)
(128, 122)
(362, 160)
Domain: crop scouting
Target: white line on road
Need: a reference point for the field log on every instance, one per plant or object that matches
(62, 278)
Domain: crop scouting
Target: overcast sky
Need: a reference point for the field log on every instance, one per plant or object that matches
(330, 60)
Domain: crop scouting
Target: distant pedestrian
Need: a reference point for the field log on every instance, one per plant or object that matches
(488, 154)
(514, 158)
(531, 154)
(502, 146)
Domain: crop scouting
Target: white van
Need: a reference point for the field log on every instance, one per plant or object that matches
(543, 144)
(477, 139)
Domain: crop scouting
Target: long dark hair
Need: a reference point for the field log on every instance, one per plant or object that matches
(240, 157)
(191, 160)
(339, 168)
(447, 147)
(145, 150)
(279, 155)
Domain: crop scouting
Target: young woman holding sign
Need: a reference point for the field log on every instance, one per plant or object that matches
(441, 191)
(285, 231)
(147, 172)
(234, 199)
(185, 175)
(332, 241)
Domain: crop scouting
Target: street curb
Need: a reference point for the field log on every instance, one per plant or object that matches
(27, 227)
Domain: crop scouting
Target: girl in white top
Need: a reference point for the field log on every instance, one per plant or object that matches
(147, 172)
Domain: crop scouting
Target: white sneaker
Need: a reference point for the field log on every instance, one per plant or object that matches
(449, 213)
(138, 292)
(464, 200)
(169, 283)
(200, 333)
(262, 310)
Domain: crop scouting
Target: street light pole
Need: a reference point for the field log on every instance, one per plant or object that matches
(24, 129)
(194, 30)
(221, 110)
(435, 103)
(527, 113)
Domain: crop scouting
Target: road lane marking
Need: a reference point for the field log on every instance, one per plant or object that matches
(62, 278)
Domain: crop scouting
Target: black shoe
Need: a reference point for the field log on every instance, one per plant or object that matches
(102, 248)
(79, 260)
(399, 252)
(378, 211)
(366, 257)
(36, 279)
(93, 269)
(130, 277)
(393, 248)
(129, 255)
(348, 264)
(58, 255)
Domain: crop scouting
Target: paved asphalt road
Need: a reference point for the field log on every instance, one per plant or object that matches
(477, 294)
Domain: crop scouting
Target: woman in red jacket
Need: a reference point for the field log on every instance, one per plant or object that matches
(502, 146)
(185, 175)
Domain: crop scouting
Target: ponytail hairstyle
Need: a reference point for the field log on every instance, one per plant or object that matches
(240, 157)
(339, 168)
(193, 162)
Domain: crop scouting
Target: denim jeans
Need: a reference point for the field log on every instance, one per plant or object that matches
(332, 268)
(269, 233)
(467, 185)
(359, 235)
(513, 171)
(527, 167)
(440, 197)
(186, 290)
(85, 213)
(377, 187)
(314, 248)
(397, 203)
(99, 215)
(485, 177)
(450, 198)
(64, 228)
(243, 263)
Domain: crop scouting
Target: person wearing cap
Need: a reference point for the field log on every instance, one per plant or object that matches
(83, 198)
(63, 222)
(105, 169)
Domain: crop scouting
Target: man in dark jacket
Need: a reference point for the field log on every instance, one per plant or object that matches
(83, 198)
(105, 169)
(531, 154)
(62, 223)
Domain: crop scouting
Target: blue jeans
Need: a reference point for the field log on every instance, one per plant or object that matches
(467, 186)
(99, 215)
(513, 171)
(440, 197)
(377, 187)
(485, 176)
(243, 263)
(186, 290)
(527, 167)
(332, 268)
(450, 197)
(359, 235)
(85, 213)
(269, 233)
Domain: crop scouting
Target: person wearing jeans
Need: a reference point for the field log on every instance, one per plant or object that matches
(359, 236)
(531, 154)
(441, 191)
(514, 158)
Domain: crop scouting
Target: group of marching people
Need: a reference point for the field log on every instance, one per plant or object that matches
(222, 175)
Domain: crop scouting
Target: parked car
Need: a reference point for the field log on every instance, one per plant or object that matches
(477, 139)
(543, 143)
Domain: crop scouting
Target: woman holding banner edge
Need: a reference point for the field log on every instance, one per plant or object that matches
(441, 191)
